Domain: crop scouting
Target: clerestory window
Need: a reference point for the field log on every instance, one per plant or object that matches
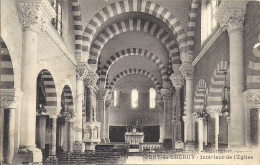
(152, 95)
(134, 98)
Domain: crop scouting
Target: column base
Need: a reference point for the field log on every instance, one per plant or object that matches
(107, 140)
(189, 146)
(179, 145)
(52, 158)
(28, 155)
(79, 147)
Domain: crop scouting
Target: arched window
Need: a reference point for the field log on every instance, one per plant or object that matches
(57, 22)
(134, 98)
(115, 97)
(152, 95)
(208, 21)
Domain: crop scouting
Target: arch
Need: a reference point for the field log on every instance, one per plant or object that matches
(192, 25)
(77, 26)
(133, 51)
(68, 96)
(217, 82)
(253, 70)
(6, 68)
(134, 25)
(50, 89)
(134, 6)
(200, 93)
(134, 71)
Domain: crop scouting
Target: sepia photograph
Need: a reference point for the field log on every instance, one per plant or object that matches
(130, 82)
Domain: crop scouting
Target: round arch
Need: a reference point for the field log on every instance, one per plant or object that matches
(200, 93)
(133, 52)
(133, 25)
(134, 6)
(217, 82)
(134, 71)
(6, 67)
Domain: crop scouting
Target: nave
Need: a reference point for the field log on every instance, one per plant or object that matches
(155, 79)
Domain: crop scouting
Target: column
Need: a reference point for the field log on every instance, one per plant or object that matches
(102, 94)
(9, 99)
(71, 135)
(214, 111)
(167, 98)
(90, 82)
(177, 82)
(187, 72)
(233, 18)
(41, 125)
(185, 129)
(81, 72)
(252, 100)
(53, 131)
(161, 120)
(201, 133)
(36, 16)
(205, 131)
(107, 104)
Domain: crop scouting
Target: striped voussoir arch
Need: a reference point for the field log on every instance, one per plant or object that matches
(77, 26)
(68, 97)
(49, 85)
(191, 25)
(6, 66)
(134, 6)
(217, 84)
(253, 71)
(199, 97)
(134, 25)
(129, 52)
(134, 71)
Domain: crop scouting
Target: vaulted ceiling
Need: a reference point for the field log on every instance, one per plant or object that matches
(137, 43)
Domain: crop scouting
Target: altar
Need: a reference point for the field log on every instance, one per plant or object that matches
(134, 138)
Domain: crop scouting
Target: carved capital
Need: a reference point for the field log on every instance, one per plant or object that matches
(252, 96)
(231, 14)
(214, 109)
(177, 80)
(52, 111)
(9, 98)
(91, 79)
(82, 71)
(36, 14)
(160, 103)
(102, 94)
(167, 93)
(187, 70)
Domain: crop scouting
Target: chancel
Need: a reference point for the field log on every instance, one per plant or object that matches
(129, 81)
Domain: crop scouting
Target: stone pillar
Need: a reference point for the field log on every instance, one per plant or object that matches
(252, 100)
(82, 71)
(71, 134)
(178, 82)
(90, 82)
(41, 125)
(205, 131)
(201, 133)
(107, 104)
(36, 16)
(167, 98)
(9, 99)
(101, 96)
(214, 111)
(187, 71)
(231, 15)
(185, 128)
(53, 132)
(161, 120)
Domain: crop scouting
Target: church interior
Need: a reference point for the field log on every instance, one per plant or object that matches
(98, 81)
